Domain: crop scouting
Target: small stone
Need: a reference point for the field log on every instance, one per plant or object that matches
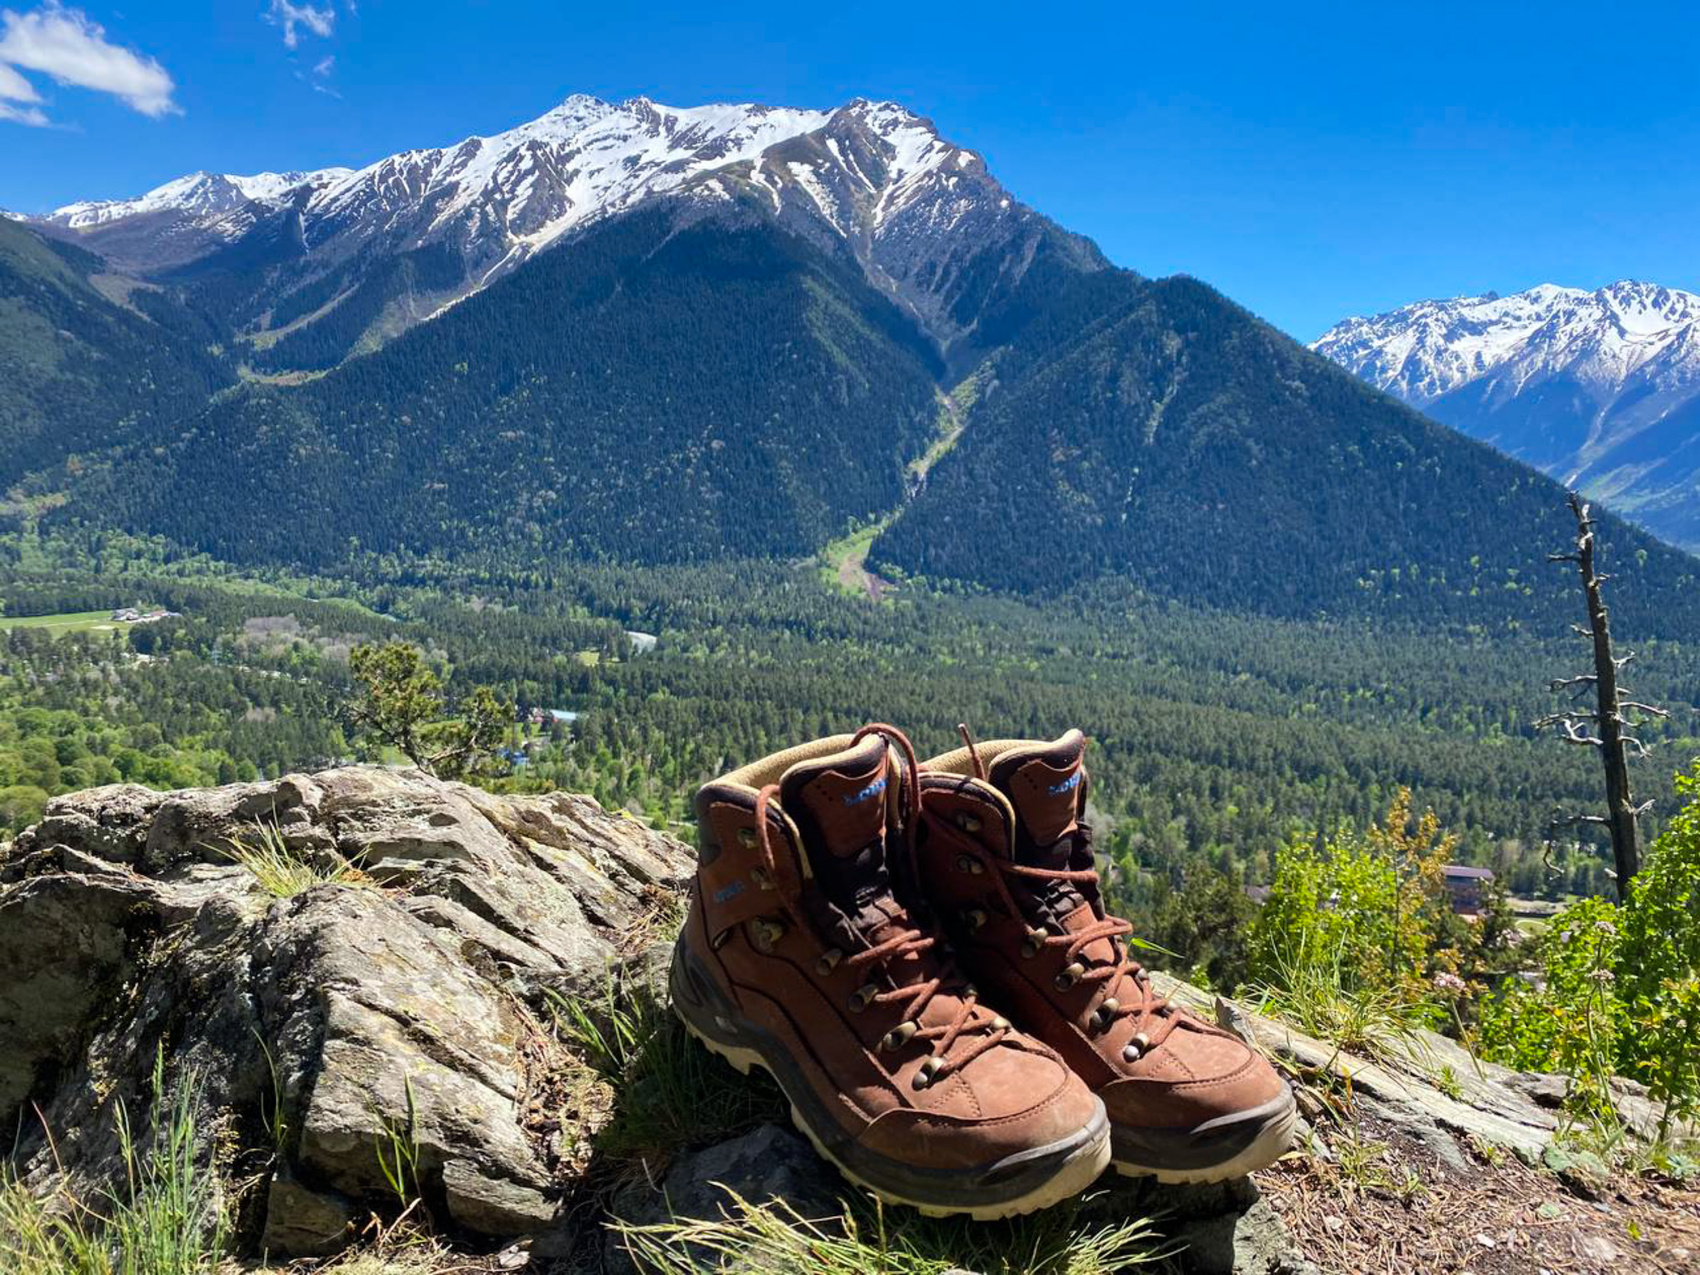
(301, 1222)
(1582, 1171)
(1596, 1248)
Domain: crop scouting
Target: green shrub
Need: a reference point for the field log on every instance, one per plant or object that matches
(1618, 988)
(1570, 1022)
(1658, 973)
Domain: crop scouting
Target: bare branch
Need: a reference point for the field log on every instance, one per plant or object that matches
(1570, 820)
(1638, 706)
(1563, 557)
(1584, 680)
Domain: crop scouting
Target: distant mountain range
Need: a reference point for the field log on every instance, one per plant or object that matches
(657, 335)
(1600, 390)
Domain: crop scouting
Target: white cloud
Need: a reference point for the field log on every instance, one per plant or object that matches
(66, 45)
(23, 115)
(323, 66)
(321, 22)
(15, 88)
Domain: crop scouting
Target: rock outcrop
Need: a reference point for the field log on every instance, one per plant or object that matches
(387, 1011)
(397, 1006)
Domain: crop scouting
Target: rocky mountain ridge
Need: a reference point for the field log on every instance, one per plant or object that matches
(1599, 389)
(871, 174)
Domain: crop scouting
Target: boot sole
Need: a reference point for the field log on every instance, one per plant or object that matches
(1021, 1183)
(1213, 1152)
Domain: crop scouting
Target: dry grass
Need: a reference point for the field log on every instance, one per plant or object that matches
(282, 871)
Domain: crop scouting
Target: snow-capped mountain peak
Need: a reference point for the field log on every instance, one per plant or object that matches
(873, 176)
(1599, 388)
(1431, 348)
(199, 194)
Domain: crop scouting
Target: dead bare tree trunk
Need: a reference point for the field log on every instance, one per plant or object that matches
(1610, 728)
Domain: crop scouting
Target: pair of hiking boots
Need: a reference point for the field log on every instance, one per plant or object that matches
(846, 895)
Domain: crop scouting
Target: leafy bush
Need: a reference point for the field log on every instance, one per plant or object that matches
(1617, 989)
(1658, 974)
(1371, 911)
(1570, 1021)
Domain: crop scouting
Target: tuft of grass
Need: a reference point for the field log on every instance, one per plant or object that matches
(168, 1220)
(398, 1151)
(867, 1240)
(663, 1090)
(282, 871)
(1361, 1163)
(1377, 1022)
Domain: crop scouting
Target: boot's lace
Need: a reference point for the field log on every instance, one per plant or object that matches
(1149, 1005)
(987, 1031)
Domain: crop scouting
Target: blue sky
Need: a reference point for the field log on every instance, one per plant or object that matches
(1310, 161)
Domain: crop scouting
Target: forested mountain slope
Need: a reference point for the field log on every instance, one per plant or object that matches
(750, 354)
(656, 390)
(1182, 443)
(79, 370)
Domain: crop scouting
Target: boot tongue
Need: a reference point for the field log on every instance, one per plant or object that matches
(1043, 783)
(839, 805)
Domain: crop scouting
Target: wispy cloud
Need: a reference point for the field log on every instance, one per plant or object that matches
(321, 22)
(321, 74)
(67, 46)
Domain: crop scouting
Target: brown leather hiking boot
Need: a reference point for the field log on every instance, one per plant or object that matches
(1007, 863)
(800, 956)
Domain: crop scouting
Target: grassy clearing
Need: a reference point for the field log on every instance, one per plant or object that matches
(168, 1220)
(844, 562)
(867, 1240)
(66, 622)
(282, 871)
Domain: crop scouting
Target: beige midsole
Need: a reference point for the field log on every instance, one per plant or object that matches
(1269, 1147)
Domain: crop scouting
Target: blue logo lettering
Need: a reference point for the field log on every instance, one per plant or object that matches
(872, 790)
(729, 892)
(1072, 782)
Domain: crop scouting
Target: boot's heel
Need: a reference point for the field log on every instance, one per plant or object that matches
(706, 1014)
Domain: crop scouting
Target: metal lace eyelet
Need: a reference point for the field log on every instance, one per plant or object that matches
(1000, 1024)
(968, 823)
(1105, 1014)
(964, 863)
(1033, 943)
(747, 837)
(768, 933)
(862, 997)
(898, 1037)
(760, 878)
(828, 961)
(1069, 975)
(1136, 1047)
(927, 1071)
(974, 919)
